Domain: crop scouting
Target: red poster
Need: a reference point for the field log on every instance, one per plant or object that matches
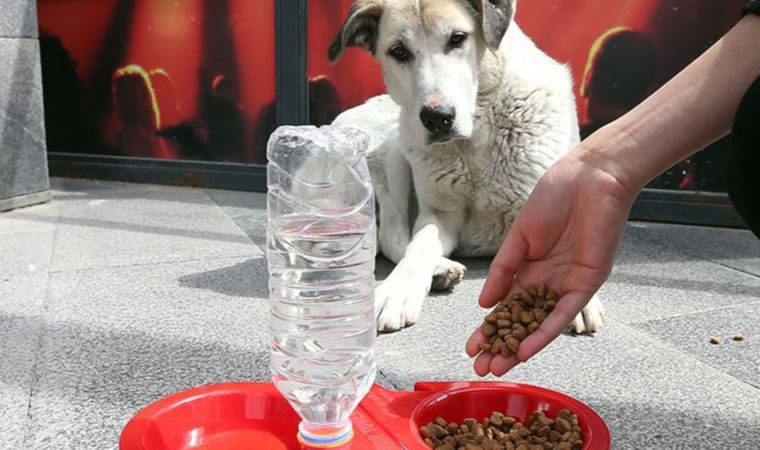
(195, 79)
(184, 79)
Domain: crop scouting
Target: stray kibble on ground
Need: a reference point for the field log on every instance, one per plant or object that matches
(716, 340)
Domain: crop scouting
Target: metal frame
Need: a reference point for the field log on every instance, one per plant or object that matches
(291, 68)
(686, 207)
(232, 176)
(292, 108)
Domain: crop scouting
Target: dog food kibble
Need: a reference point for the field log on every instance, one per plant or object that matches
(715, 340)
(500, 432)
(738, 337)
(515, 318)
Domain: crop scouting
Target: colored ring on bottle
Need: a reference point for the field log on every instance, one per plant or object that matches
(325, 439)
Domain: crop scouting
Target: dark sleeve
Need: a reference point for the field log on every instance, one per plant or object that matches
(752, 7)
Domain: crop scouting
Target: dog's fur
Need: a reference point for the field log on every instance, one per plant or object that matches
(515, 116)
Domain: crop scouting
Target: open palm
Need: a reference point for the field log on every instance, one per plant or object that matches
(566, 236)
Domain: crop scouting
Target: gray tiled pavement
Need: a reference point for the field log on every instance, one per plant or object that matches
(739, 358)
(120, 294)
(123, 225)
(733, 248)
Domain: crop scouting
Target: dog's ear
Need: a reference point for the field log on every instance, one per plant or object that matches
(495, 16)
(359, 30)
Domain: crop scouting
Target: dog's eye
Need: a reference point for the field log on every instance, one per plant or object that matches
(400, 53)
(457, 39)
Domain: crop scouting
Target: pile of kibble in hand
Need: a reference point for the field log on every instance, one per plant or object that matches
(500, 432)
(517, 317)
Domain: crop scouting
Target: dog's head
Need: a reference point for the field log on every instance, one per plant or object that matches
(430, 52)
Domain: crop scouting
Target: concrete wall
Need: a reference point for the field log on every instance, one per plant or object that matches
(23, 159)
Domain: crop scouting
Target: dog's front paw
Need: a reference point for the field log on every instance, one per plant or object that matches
(398, 302)
(591, 319)
(447, 274)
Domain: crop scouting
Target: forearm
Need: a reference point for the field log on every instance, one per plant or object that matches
(691, 111)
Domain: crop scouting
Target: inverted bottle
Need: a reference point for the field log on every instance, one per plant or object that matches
(321, 255)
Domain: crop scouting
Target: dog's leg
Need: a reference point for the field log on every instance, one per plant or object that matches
(591, 319)
(398, 299)
(392, 181)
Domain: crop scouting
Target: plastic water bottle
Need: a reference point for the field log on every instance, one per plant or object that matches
(321, 252)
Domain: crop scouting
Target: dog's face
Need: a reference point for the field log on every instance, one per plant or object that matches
(429, 51)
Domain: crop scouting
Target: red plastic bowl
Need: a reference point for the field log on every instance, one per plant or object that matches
(254, 416)
(456, 402)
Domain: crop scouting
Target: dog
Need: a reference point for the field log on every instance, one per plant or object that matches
(474, 116)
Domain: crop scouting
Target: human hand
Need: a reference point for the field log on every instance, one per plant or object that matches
(566, 235)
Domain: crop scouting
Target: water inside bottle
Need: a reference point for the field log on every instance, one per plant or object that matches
(322, 313)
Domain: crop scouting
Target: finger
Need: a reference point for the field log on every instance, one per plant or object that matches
(482, 364)
(564, 313)
(472, 347)
(501, 365)
(505, 265)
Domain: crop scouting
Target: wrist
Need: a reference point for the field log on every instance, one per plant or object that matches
(612, 150)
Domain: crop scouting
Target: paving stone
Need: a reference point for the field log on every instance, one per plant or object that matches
(21, 304)
(691, 334)
(113, 224)
(650, 281)
(114, 340)
(739, 249)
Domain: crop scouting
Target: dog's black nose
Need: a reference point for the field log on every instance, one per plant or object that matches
(439, 119)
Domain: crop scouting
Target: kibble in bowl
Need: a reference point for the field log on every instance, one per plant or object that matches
(502, 432)
(505, 405)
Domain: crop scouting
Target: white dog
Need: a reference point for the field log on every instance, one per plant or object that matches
(476, 113)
